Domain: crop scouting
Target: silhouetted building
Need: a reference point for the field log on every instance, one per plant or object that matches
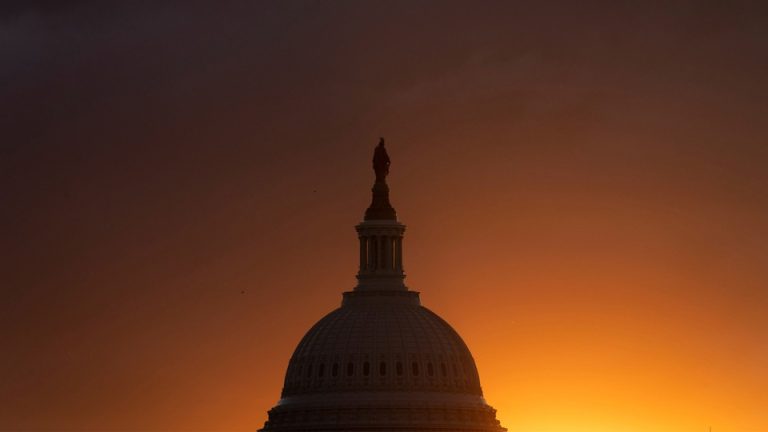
(382, 362)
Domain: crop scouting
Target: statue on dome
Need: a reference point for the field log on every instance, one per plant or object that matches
(381, 162)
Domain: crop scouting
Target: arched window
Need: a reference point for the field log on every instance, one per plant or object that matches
(321, 370)
(350, 368)
(430, 369)
(455, 372)
(415, 369)
(383, 368)
(366, 368)
(442, 369)
(335, 370)
(399, 368)
(309, 371)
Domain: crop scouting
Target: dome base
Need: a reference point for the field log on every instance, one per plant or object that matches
(368, 412)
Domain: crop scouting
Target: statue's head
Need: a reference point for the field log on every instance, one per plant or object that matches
(381, 142)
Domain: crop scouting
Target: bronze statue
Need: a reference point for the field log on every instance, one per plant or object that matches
(381, 162)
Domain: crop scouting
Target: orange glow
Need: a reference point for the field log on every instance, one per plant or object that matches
(584, 190)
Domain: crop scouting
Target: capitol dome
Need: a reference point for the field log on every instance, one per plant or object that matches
(381, 361)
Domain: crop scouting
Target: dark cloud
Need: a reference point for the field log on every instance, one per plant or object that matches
(14, 8)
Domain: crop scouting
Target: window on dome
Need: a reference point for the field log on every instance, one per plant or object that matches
(350, 368)
(442, 369)
(366, 368)
(335, 370)
(455, 372)
(382, 369)
(321, 370)
(399, 368)
(430, 369)
(309, 371)
(415, 369)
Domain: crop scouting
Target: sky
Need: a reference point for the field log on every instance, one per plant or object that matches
(584, 185)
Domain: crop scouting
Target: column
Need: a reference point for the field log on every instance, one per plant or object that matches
(372, 248)
(388, 263)
(399, 254)
(380, 252)
(363, 257)
(393, 252)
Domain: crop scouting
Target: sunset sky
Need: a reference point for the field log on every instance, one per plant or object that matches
(585, 187)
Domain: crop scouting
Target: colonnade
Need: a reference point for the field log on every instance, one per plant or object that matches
(381, 253)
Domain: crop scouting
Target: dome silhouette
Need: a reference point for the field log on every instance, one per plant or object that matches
(381, 361)
(430, 354)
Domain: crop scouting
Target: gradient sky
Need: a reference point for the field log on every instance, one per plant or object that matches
(585, 187)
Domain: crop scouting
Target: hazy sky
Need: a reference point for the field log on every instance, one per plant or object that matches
(584, 184)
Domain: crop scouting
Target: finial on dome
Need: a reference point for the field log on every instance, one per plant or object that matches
(381, 162)
(380, 208)
(381, 236)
